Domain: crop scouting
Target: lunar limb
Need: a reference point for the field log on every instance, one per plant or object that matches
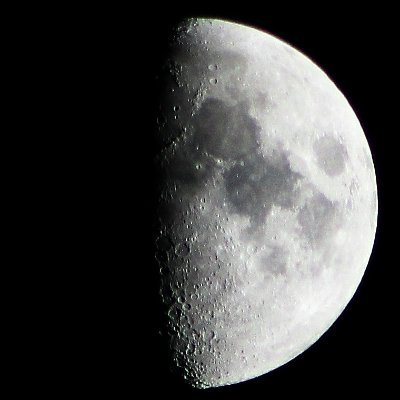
(267, 202)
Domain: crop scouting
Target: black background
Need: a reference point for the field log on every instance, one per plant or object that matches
(357, 49)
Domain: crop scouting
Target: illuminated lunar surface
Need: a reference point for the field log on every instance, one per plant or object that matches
(267, 206)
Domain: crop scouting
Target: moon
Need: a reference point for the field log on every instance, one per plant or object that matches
(267, 202)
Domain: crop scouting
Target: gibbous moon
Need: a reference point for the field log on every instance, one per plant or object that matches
(267, 205)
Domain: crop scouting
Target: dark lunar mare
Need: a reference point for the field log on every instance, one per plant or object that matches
(226, 139)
